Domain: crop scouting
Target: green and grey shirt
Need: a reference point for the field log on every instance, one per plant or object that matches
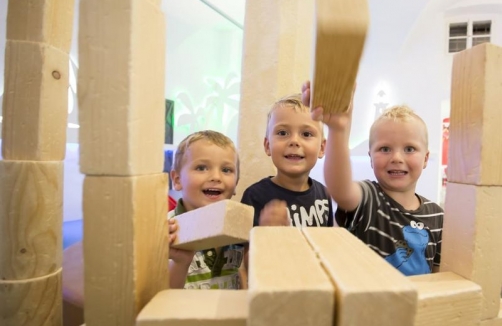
(216, 268)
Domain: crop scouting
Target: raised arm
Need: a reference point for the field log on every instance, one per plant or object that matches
(337, 165)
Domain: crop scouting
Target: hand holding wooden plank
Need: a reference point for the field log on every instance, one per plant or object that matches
(340, 33)
(223, 223)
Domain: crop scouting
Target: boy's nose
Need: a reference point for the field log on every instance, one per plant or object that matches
(216, 176)
(397, 157)
(294, 141)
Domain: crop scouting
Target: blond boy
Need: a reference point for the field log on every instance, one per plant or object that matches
(398, 224)
(294, 142)
(205, 170)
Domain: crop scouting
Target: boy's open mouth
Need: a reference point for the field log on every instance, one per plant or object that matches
(397, 172)
(294, 157)
(212, 192)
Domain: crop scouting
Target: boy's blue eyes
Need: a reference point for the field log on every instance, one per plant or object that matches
(407, 149)
(204, 168)
(304, 134)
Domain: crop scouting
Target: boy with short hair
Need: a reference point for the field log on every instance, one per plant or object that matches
(294, 142)
(398, 224)
(205, 170)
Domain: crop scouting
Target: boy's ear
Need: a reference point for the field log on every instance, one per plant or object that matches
(371, 160)
(175, 179)
(426, 159)
(266, 146)
(322, 149)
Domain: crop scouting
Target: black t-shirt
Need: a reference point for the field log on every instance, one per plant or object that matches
(305, 208)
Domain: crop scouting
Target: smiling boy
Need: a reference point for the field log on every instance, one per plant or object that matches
(294, 142)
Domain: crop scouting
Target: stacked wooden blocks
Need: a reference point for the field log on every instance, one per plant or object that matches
(33, 148)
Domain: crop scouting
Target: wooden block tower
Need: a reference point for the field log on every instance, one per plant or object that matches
(31, 174)
(121, 115)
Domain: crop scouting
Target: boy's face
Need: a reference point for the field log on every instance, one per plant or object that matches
(294, 141)
(208, 174)
(398, 154)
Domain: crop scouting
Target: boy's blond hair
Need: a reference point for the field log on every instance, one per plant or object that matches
(400, 113)
(214, 137)
(294, 101)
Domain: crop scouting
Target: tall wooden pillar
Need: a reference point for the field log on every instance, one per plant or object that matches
(33, 146)
(121, 115)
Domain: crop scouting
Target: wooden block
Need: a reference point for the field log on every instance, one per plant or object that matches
(472, 241)
(447, 299)
(125, 246)
(31, 302)
(35, 107)
(287, 285)
(362, 279)
(41, 21)
(340, 33)
(31, 215)
(476, 93)
(219, 224)
(196, 308)
(121, 87)
(497, 321)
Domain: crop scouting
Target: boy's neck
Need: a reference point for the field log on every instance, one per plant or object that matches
(293, 183)
(409, 200)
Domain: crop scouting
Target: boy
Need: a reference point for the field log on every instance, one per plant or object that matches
(294, 142)
(399, 225)
(205, 170)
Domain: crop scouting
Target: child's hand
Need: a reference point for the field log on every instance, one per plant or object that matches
(179, 256)
(275, 213)
(332, 120)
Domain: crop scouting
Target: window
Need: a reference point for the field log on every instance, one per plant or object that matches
(465, 35)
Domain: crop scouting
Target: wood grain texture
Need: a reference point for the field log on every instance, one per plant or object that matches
(475, 145)
(362, 279)
(31, 214)
(471, 239)
(121, 87)
(447, 299)
(340, 34)
(41, 21)
(287, 285)
(223, 223)
(125, 246)
(196, 308)
(33, 302)
(35, 104)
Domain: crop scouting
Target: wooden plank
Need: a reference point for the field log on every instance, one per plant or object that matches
(41, 21)
(447, 299)
(471, 239)
(35, 107)
(196, 308)
(34, 301)
(362, 279)
(125, 246)
(31, 215)
(475, 149)
(222, 223)
(121, 87)
(497, 321)
(287, 285)
(340, 33)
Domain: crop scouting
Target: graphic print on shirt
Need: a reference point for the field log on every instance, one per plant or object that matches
(409, 257)
(315, 215)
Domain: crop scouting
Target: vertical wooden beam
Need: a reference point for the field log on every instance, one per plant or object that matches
(275, 62)
(125, 246)
(121, 87)
(471, 232)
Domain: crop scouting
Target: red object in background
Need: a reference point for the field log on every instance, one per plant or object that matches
(171, 203)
